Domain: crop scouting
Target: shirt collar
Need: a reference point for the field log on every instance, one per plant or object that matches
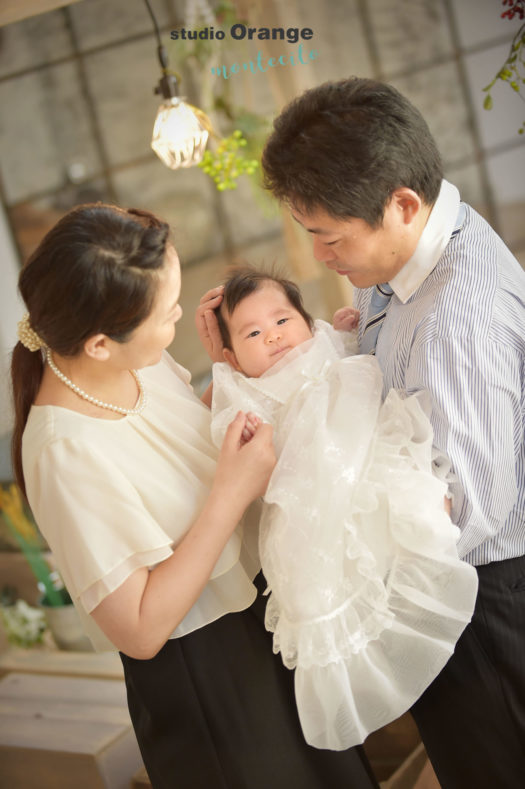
(434, 238)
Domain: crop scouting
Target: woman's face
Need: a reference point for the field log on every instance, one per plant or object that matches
(147, 342)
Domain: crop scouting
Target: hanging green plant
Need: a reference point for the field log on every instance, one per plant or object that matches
(512, 71)
(237, 138)
(228, 161)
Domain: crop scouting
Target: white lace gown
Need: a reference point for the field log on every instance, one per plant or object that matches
(367, 595)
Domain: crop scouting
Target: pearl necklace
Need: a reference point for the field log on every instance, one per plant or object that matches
(80, 392)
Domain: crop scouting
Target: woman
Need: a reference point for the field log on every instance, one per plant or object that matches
(142, 517)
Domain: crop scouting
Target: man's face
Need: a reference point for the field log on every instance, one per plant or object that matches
(366, 255)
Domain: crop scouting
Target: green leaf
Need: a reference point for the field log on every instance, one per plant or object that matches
(487, 104)
(38, 564)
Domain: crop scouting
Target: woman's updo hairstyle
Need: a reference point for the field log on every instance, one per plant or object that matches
(94, 272)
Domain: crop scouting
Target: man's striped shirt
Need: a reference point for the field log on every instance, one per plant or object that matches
(456, 327)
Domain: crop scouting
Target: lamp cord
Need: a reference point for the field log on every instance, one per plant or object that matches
(163, 57)
(154, 20)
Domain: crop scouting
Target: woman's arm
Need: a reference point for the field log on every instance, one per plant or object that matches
(206, 323)
(208, 331)
(141, 614)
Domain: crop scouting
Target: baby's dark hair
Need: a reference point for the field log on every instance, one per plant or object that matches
(241, 282)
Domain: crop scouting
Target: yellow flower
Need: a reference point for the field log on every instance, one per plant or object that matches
(11, 503)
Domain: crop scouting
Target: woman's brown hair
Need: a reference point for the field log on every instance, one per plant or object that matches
(94, 272)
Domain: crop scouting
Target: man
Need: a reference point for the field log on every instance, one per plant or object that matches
(358, 168)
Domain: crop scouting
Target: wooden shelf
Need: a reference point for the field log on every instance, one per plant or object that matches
(57, 732)
(97, 665)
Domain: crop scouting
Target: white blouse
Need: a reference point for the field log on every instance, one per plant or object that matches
(111, 496)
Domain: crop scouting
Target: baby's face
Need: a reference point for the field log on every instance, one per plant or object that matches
(263, 328)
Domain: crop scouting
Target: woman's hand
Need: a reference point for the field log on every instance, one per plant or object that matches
(245, 465)
(206, 323)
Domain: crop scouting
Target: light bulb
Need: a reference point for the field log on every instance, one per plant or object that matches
(179, 137)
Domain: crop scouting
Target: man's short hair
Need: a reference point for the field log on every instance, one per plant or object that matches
(345, 146)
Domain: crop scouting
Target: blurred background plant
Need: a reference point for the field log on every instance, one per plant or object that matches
(24, 625)
(236, 143)
(228, 161)
(512, 71)
(24, 530)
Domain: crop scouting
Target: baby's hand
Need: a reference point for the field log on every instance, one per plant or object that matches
(346, 319)
(250, 427)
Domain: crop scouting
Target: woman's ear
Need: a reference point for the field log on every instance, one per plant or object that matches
(96, 347)
(230, 357)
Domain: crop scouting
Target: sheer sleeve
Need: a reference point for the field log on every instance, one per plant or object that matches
(93, 519)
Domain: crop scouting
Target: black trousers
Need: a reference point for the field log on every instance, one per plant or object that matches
(472, 717)
(216, 710)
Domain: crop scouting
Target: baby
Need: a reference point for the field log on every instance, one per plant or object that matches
(261, 318)
(367, 594)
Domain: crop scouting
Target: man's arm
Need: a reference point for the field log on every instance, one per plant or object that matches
(475, 387)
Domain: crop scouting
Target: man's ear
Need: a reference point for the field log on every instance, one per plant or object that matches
(407, 202)
(97, 347)
(230, 357)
